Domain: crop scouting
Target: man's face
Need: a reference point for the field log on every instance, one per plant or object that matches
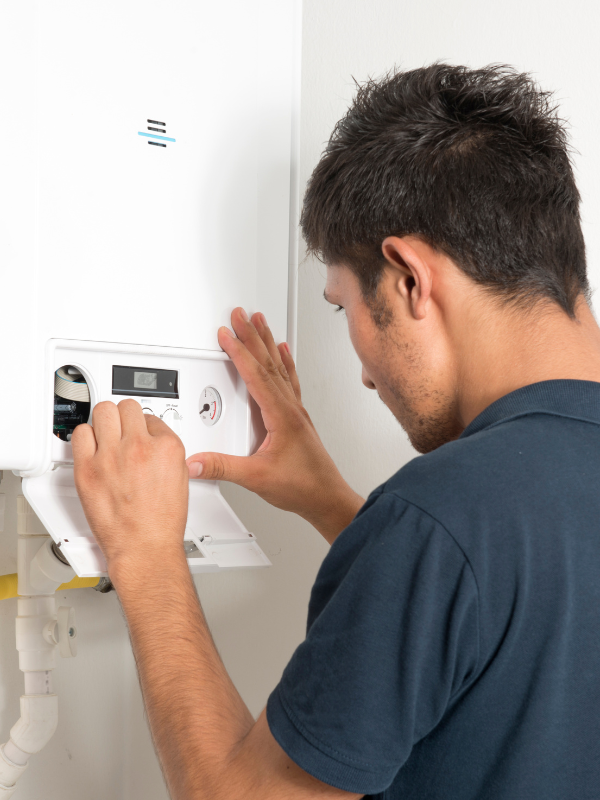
(407, 361)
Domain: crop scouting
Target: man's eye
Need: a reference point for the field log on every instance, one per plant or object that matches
(339, 308)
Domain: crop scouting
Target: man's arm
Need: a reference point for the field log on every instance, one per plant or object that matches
(207, 741)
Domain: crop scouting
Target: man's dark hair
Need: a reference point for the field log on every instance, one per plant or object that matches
(475, 162)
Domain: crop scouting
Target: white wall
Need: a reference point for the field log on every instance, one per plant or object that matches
(102, 748)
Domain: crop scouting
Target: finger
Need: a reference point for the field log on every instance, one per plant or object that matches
(157, 427)
(290, 366)
(247, 333)
(221, 467)
(259, 382)
(107, 423)
(84, 443)
(263, 330)
(133, 423)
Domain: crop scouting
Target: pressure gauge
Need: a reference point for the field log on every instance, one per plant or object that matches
(211, 406)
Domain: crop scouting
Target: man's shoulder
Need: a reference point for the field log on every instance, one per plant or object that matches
(469, 474)
(457, 465)
(497, 472)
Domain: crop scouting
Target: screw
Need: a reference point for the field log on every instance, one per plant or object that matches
(71, 632)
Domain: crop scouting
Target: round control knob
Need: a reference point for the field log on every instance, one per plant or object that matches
(147, 410)
(173, 420)
(211, 406)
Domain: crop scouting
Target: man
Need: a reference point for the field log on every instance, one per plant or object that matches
(453, 647)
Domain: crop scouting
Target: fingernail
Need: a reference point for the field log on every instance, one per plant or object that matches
(243, 315)
(263, 320)
(287, 347)
(195, 469)
(226, 330)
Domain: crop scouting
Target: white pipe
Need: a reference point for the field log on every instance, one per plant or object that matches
(39, 577)
(13, 753)
(38, 682)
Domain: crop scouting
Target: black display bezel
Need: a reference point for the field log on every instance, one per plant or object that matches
(122, 382)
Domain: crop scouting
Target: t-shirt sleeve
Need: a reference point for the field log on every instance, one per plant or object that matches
(392, 639)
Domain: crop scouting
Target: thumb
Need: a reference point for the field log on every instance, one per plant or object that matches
(220, 467)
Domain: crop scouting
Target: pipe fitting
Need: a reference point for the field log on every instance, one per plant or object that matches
(40, 571)
(9, 773)
(38, 723)
(36, 653)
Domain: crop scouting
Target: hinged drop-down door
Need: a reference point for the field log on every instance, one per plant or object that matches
(214, 538)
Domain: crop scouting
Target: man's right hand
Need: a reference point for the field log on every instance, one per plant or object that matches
(291, 469)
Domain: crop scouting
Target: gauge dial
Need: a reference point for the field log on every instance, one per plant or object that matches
(210, 406)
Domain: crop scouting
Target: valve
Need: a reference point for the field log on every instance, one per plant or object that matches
(62, 631)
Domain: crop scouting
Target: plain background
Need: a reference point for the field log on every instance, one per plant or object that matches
(102, 748)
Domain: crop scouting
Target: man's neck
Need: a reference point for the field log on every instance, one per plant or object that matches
(503, 349)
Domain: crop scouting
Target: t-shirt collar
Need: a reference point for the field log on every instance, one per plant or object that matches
(566, 398)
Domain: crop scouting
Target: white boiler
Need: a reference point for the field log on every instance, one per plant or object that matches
(147, 186)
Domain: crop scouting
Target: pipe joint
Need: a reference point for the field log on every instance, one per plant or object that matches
(9, 774)
(38, 723)
(40, 571)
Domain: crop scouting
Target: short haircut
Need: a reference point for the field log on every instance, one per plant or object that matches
(475, 162)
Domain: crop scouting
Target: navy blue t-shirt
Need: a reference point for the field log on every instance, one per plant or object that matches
(453, 645)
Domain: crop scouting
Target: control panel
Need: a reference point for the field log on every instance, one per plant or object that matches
(198, 394)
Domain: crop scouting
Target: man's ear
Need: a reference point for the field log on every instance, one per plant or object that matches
(413, 275)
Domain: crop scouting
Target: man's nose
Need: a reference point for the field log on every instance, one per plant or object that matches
(366, 380)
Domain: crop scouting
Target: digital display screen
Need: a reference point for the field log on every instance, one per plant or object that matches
(140, 382)
(145, 380)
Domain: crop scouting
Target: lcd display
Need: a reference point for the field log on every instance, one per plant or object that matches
(145, 380)
(140, 382)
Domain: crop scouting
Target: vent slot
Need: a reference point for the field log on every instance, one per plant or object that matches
(156, 133)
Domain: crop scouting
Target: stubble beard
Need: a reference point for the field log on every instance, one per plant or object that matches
(426, 431)
(428, 415)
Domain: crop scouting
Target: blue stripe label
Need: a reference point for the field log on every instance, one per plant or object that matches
(154, 136)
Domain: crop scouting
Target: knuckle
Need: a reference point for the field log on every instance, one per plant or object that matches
(216, 469)
(129, 404)
(263, 374)
(173, 445)
(271, 366)
(105, 408)
(88, 475)
(137, 451)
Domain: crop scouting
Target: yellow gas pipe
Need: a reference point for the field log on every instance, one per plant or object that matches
(8, 585)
